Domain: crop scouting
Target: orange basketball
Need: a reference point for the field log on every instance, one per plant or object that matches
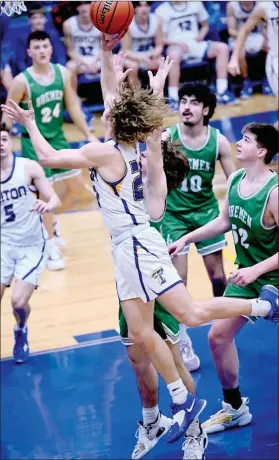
(111, 17)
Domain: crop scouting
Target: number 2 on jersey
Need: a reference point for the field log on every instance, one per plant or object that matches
(240, 234)
(9, 213)
(137, 182)
(48, 114)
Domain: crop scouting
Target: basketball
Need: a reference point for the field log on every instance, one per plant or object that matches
(111, 17)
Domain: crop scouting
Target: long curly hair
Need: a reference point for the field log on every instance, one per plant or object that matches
(176, 163)
(135, 113)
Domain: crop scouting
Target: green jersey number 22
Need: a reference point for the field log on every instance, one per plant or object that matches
(48, 114)
(195, 184)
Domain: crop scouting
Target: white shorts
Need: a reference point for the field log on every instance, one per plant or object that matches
(143, 267)
(271, 68)
(22, 263)
(254, 43)
(197, 50)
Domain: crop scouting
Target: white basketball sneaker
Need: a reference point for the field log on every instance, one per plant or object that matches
(149, 435)
(190, 359)
(228, 417)
(54, 260)
(195, 443)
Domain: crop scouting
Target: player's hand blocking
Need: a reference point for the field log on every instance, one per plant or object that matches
(118, 63)
(16, 113)
(157, 81)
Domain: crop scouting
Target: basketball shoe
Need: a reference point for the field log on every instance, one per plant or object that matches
(228, 417)
(21, 347)
(148, 435)
(195, 443)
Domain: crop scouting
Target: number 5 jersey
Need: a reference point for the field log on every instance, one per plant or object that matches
(19, 226)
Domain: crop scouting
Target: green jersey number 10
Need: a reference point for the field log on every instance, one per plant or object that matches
(194, 183)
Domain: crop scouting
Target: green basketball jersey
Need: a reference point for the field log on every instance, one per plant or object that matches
(253, 241)
(47, 103)
(196, 190)
(157, 224)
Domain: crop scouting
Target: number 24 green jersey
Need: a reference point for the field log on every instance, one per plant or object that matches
(47, 102)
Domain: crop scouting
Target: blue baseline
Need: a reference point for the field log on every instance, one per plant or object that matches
(81, 402)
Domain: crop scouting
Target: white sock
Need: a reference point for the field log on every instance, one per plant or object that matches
(260, 307)
(150, 414)
(178, 391)
(173, 92)
(184, 337)
(221, 85)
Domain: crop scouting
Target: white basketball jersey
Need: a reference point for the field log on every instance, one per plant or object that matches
(182, 23)
(241, 15)
(85, 42)
(19, 226)
(121, 203)
(272, 17)
(144, 41)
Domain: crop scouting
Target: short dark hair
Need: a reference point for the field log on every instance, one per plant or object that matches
(203, 94)
(176, 163)
(37, 35)
(5, 128)
(36, 9)
(136, 4)
(266, 136)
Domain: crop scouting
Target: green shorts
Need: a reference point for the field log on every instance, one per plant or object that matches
(176, 225)
(251, 291)
(164, 324)
(58, 143)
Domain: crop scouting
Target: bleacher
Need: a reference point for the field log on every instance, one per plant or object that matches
(14, 32)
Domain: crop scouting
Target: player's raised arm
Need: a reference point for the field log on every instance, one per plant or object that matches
(16, 93)
(257, 15)
(109, 82)
(93, 155)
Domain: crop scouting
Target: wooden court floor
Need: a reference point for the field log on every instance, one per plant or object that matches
(82, 298)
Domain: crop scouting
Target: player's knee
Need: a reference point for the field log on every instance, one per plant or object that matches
(175, 54)
(219, 284)
(222, 48)
(19, 301)
(217, 337)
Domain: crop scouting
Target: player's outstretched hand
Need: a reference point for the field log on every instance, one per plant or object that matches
(157, 82)
(118, 62)
(41, 207)
(16, 113)
(108, 42)
(233, 66)
(176, 247)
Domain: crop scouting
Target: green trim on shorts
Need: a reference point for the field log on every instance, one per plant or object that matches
(164, 324)
(58, 144)
(175, 225)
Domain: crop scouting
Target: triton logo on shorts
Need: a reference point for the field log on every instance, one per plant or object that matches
(158, 275)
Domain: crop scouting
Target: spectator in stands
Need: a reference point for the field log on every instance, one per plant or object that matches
(186, 27)
(82, 41)
(237, 15)
(144, 41)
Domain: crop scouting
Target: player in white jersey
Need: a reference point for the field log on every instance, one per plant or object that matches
(143, 269)
(268, 12)
(23, 237)
(82, 41)
(186, 41)
(143, 43)
(237, 15)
